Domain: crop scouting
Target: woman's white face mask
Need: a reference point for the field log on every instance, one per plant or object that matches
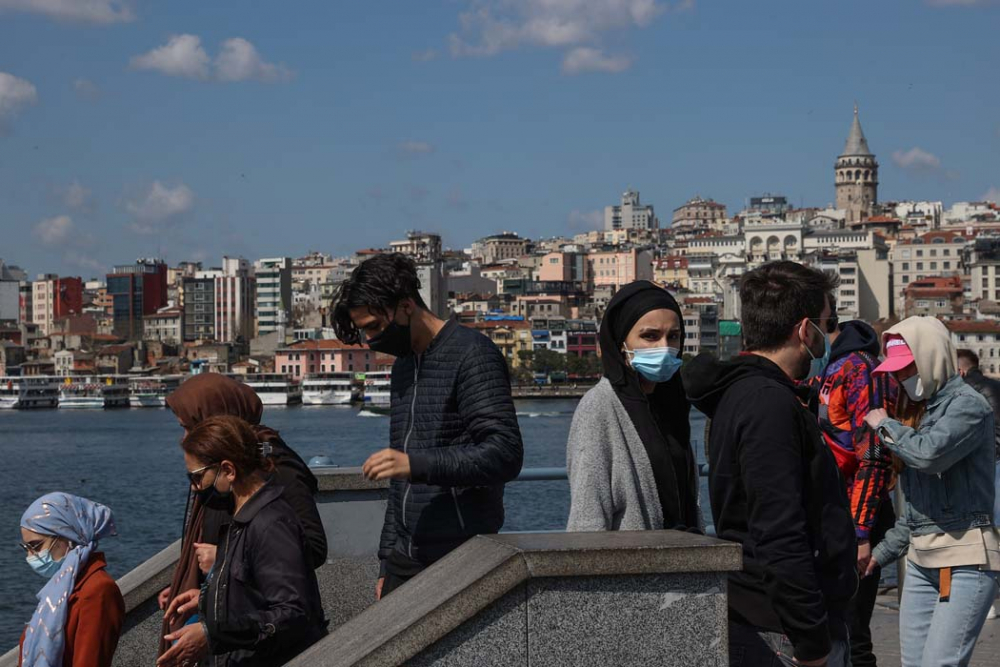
(914, 387)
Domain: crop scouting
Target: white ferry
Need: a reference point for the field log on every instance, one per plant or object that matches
(275, 388)
(28, 392)
(94, 392)
(377, 387)
(152, 391)
(327, 388)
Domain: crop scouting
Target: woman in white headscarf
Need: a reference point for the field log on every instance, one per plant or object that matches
(80, 610)
(943, 435)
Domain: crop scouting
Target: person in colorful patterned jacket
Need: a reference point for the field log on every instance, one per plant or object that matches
(847, 391)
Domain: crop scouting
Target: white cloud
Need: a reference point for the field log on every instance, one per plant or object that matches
(85, 262)
(182, 56)
(585, 220)
(588, 59)
(54, 231)
(86, 89)
(916, 159)
(415, 148)
(490, 27)
(993, 195)
(77, 198)
(237, 60)
(15, 94)
(424, 56)
(159, 206)
(79, 11)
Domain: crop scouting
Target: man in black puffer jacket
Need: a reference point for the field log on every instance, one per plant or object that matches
(454, 437)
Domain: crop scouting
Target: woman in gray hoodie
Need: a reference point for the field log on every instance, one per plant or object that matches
(942, 431)
(629, 454)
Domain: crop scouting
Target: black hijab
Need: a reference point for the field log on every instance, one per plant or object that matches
(660, 418)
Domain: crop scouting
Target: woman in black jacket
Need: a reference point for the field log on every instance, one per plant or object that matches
(208, 514)
(260, 604)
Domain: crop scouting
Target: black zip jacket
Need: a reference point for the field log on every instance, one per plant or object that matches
(452, 413)
(775, 488)
(990, 389)
(261, 604)
(300, 487)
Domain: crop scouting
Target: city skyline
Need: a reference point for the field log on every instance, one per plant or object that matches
(191, 134)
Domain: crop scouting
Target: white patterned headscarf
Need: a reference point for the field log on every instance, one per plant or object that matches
(81, 522)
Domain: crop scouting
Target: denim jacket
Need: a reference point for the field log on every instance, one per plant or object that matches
(948, 479)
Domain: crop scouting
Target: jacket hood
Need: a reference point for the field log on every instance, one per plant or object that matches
(856, 336)
(706, 378)
(933, 351)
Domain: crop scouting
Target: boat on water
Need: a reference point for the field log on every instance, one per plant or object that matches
(275, 388)
(328, 389)
(151, 392)
(94, 392)
(377, 386)
(28, 392)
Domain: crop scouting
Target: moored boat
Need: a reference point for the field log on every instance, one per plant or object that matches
(377, 386)
(152, 391)
(94, 392)
(275, 388)
(28, 392)
(327, 388)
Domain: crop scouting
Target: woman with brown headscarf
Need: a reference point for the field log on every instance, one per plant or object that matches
(209, 513)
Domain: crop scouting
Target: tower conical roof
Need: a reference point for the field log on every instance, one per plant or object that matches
(856, 142)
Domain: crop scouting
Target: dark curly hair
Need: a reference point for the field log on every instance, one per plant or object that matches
(379, 283)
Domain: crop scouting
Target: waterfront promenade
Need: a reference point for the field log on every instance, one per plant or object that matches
(885, 636)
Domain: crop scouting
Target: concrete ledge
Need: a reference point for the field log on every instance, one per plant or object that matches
(147, 580)
(345, 479)
(486, 568)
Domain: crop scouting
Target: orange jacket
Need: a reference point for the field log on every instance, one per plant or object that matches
(96, 616)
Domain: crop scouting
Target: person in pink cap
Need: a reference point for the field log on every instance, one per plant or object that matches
(943, 436)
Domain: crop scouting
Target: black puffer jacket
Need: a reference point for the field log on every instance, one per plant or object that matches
(452, 413)
(990, 389)
(262, 604)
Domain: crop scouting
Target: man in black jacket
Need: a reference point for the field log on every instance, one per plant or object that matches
(774, 484)
(454, 437)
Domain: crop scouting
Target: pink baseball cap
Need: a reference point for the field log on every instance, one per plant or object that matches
(897, 355)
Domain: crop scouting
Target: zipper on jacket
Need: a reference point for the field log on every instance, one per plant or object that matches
(409, 432)
(218, 585)
(458, 510)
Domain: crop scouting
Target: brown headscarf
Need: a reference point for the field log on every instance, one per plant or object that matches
(199, 397)
(210, 395)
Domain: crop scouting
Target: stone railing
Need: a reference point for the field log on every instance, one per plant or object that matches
(539, 599)
(516, 581)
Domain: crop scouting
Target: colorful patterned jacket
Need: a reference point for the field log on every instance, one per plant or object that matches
(847, 391)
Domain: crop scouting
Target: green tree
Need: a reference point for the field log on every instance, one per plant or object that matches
(547, 361)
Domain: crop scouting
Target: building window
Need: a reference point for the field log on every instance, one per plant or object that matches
(906, 266)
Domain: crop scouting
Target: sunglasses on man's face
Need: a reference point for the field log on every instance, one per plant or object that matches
(195, 476)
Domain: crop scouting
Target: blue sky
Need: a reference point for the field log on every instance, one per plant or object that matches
(189, 129)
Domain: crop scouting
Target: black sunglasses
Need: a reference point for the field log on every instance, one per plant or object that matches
(195, 476)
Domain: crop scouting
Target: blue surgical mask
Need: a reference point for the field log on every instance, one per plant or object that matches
(656, 364)
(818, 364)
(43, 564)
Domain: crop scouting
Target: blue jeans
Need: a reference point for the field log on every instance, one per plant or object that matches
(934, 633)
(750, 647)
